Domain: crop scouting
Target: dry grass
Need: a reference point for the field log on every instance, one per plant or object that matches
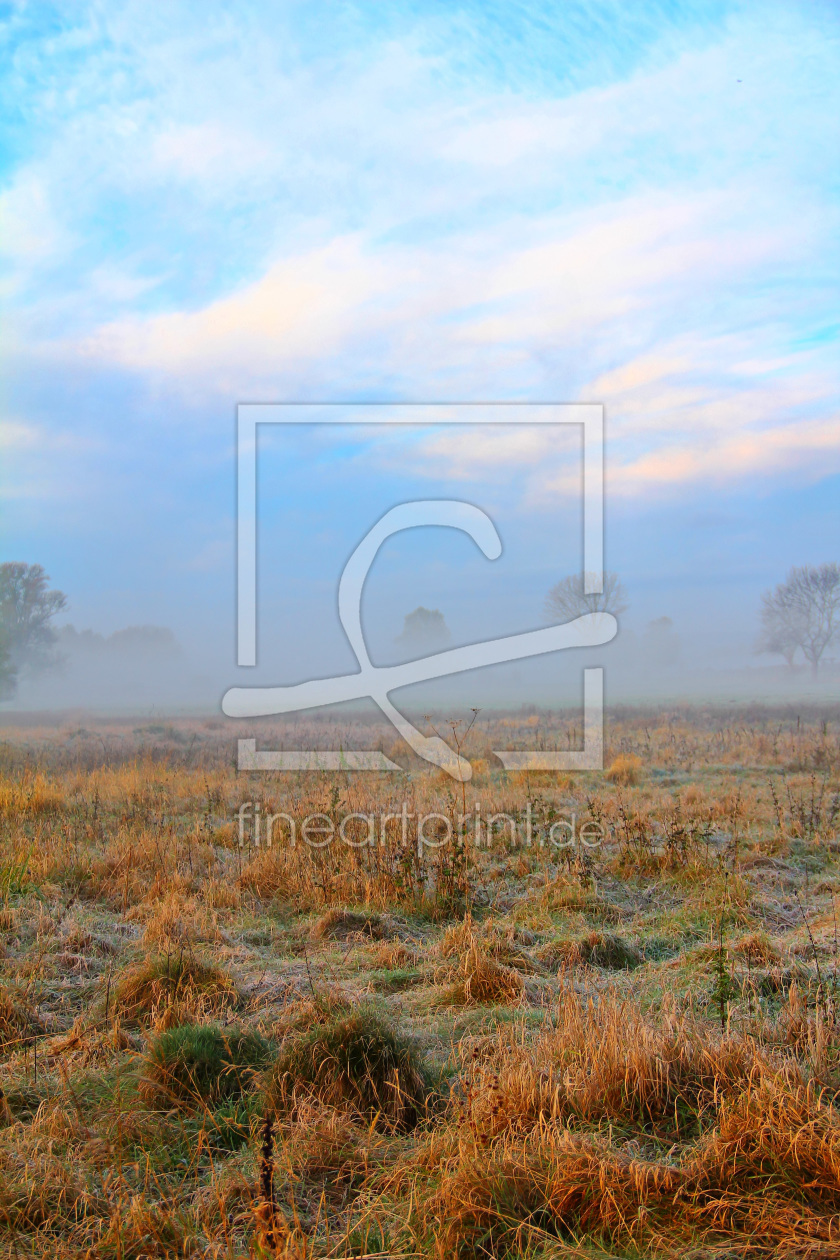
(477, 977)
(595, 949)
(601, 1061)
(475, 1050)
(180, 982)
(764, 1181)
(342, 925)
(19, 1024)
(626, 769)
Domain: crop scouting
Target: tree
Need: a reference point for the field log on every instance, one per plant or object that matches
(425, 628)
(802, 612)
(27, 607)
(8, 672)
(568, 599)
(779, 635)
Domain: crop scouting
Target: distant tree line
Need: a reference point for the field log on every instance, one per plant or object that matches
(30, 644)
(801, 614)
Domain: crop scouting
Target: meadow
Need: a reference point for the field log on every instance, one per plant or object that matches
(603, 1025)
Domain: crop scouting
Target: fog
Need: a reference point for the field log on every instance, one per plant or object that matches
(139, 668)
(660, 660)
(147, 632)
(634, 215)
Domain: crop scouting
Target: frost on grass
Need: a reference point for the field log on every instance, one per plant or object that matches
(464, 1050)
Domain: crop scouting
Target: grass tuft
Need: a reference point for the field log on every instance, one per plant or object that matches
(19, 1024)
(482, 981)
(342, 925)
(625, 770)
(180, 985)
(202, 1062)
(355, 1060)
(597, 949)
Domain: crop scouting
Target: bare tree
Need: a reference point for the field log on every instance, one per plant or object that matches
(27, 607)
(802, 612)
(568, 599)
(779, 635)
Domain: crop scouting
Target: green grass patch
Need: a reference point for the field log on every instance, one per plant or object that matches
(357, 1060)
(195, 1063)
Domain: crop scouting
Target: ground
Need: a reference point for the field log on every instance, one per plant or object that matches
(603, 1025)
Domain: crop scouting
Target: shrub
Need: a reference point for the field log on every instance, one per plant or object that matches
(196, 1062)
(355, 1059)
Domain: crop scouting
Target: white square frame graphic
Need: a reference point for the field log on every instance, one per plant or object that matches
(250, 415)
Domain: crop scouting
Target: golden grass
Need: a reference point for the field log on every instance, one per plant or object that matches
(341, 925)
(478, 979)
(19, 1024)
(173, 982)
(626, 769)
(604, 1061)
(766, 1178)
(632, 1050)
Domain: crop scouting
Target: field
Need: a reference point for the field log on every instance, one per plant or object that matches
(602, 1024)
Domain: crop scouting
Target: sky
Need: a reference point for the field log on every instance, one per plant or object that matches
(635, 205)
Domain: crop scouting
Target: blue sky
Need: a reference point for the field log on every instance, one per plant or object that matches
(630, 204)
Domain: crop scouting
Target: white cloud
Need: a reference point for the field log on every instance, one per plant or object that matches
(810, 447)
(368, 226)
(481, 452)
(583, 275)
(302, 307)
(623, 284)
(32, 232)
(17, 435)
(208, 151)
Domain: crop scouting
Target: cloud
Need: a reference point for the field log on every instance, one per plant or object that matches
(17, 435)
(811, 447)
(629, 284)
(217, 146)
(585, 276)
(304, 306)
(259, 215)
(208, 152)
(33, 236)
(31, 229)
